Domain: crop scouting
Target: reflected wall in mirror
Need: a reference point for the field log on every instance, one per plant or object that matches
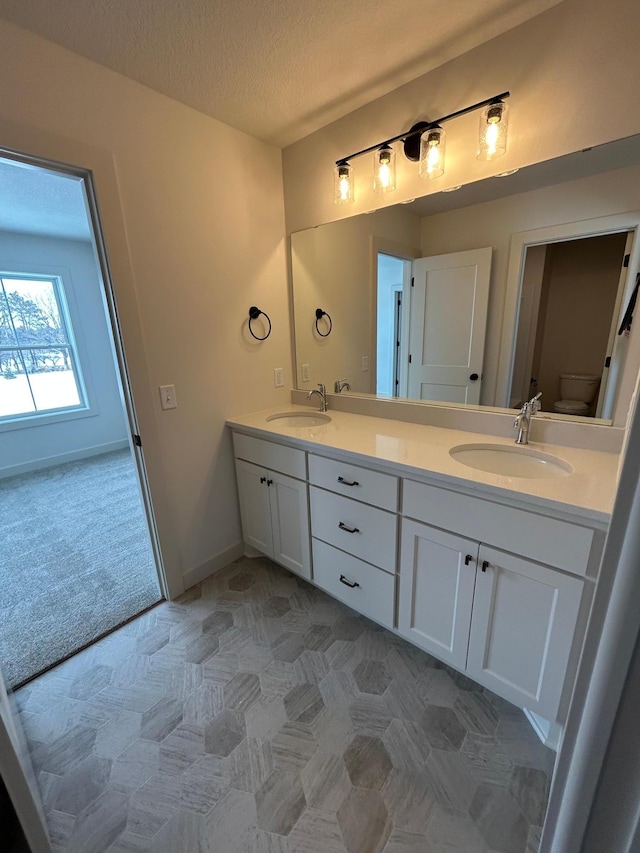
(483, 296)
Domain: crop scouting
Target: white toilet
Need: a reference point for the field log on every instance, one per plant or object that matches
(577, 390)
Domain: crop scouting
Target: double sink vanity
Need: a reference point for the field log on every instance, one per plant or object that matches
(480, 552)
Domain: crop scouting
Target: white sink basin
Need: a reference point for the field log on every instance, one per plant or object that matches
(301, 419)
(511, 461)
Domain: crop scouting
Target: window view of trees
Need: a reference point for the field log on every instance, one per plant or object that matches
(37, 363)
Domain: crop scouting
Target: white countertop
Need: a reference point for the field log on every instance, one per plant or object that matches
(422, 450)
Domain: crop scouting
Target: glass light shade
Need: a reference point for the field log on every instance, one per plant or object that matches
(432, 151)
(494, 123)
(343, 184)
(384, 169)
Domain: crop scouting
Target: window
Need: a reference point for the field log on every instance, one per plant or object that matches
(39, 370)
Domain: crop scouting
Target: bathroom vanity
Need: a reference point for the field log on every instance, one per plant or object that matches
(490, 573)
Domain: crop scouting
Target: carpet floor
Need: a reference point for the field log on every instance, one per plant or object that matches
(75, 560)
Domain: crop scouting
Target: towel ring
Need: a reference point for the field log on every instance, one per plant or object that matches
(319, 315)
(254, 313)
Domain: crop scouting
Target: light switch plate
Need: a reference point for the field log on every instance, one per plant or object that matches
(365, 363)
(168, 397)
(278, 380)
(305, 373)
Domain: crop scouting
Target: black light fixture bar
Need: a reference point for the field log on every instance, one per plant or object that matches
(421, 126)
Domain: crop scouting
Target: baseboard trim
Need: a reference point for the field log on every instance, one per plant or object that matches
(548, 732)
(193, 576)
(61, 458)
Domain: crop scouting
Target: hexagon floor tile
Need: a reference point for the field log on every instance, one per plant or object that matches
(257, 715)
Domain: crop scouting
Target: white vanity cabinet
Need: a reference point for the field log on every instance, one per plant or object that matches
(507, 621)
(274, 506)
(354, 526)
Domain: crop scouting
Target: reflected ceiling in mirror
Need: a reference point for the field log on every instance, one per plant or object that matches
(428, 303)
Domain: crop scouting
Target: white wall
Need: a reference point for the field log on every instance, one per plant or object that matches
(25, 447)
(195, 235)
(572, 73)
(332, 269)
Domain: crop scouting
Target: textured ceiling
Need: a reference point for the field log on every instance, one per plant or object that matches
(277, 69)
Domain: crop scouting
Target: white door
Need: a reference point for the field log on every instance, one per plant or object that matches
(290, 523)
(253, 493)
(437, 579)
(524, 618)
(19, 779)
(448, 319)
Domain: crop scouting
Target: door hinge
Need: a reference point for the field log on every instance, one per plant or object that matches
(409, 359)
(137, 441)
(412, 281)
(625, 263)
(607, 361)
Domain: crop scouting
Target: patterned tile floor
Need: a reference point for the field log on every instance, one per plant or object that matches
(258, 715)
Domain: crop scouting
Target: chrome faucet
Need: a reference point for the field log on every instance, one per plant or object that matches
(340, 384)
(523, 421)
(322, 393)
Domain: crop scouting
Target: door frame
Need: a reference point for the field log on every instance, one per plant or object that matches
(559, 233)
(383, 246)
(39, 148)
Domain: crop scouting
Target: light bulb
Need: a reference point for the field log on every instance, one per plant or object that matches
(384, 169)
(492, 142)
(432, 150)
(343, 184)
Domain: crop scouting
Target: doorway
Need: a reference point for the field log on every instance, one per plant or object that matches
(77, 545)
(571, 299)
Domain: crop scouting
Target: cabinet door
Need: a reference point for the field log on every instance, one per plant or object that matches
(524, 618)
(253, 493)
(437, 578)
(290, 523)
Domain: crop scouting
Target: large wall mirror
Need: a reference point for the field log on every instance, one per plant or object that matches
(481, 296)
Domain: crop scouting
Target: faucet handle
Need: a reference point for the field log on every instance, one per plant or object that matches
(534, 403)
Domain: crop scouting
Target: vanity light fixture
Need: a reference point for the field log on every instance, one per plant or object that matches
(384, 169)
(424, 142)
(453, 189)
(432, 148)
(343, 183)
(494, 123)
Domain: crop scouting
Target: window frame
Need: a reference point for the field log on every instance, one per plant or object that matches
(63, 292)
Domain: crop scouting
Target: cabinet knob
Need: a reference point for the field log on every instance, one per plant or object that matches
(485, 565)
(263, 479)
(269, 482)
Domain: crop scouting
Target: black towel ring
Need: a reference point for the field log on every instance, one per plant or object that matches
(254, 313)
(319, 315)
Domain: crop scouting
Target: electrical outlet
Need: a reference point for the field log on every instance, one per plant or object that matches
(306, 373)
(168, 397)
(365, 363)
(278, 380)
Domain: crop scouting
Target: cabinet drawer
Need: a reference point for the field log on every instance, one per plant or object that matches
(359, 585)
(277, 457)
(352, 481)
(557, 543)
(362, 530)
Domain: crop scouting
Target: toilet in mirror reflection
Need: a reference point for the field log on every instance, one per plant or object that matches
(577, 391)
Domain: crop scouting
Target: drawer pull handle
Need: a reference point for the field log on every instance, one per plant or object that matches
(468, 559)
(485, 565)
(263, 479)
(350, 584)
(269, 482)
(348, 482)
(344, 527)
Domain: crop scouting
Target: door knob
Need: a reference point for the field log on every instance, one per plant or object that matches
(473, 377)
